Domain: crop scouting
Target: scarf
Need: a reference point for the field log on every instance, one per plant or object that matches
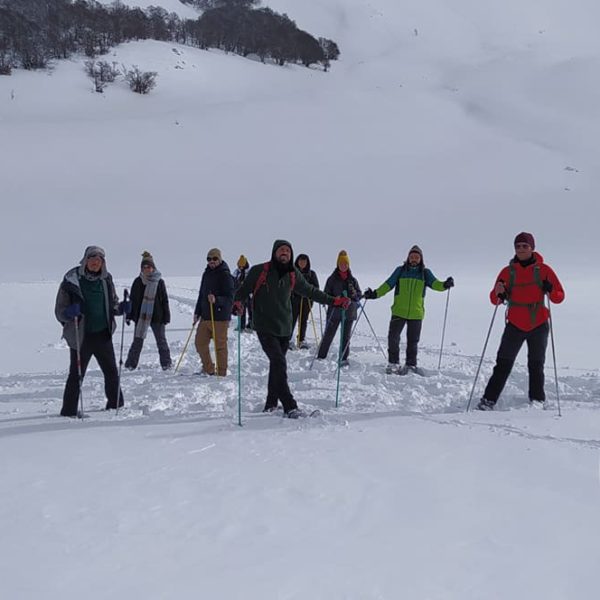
(151, 285)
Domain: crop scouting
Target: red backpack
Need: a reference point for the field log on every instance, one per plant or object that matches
(262, 278)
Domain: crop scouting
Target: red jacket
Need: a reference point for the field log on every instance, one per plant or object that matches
(526, 308)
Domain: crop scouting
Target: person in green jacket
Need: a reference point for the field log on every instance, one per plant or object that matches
(271, 285)
(409, 282)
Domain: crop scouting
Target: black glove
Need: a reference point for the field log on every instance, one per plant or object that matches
(547, 287)
(128, 322)
(448, 283)
(503, 296)
(369, 294)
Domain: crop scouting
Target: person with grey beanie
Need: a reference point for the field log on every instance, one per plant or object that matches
(86, 304)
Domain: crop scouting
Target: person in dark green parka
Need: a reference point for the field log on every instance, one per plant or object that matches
(271, 285)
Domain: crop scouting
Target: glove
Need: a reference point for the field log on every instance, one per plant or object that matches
(547, 287)
(341, 302)
(128, 322)
(72, 312)
(449, 283)
(370, 294)
(125, 307)
(503, 296)
(238, 308)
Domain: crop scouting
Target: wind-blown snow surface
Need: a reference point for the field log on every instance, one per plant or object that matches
(453, 125)
(395, 494)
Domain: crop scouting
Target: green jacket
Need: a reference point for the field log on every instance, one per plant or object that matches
(272, 304)
(409, 285)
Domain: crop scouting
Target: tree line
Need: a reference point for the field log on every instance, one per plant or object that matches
(35, 32)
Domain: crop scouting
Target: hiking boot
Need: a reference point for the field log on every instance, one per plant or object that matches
(485, 404)
(269, 409)
(345, 363)
(391, 368)
(403, 370)
(303, 346)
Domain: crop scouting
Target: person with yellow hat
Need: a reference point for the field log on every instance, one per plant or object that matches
(239, 276)
(339, 282)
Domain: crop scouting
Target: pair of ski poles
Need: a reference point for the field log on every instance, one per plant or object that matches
(553, 358)
(81, 411)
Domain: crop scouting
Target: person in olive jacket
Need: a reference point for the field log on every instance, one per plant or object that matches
(300, 306)
(272, 284)
(215, 300)
(86, 304)
(340, 281)
(149, 308)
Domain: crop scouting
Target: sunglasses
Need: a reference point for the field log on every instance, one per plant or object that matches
(524, 246)
(212, 259)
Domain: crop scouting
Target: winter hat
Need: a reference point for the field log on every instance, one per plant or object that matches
(242, 262)
(343, 259)
(147, 260)
(214, 253)
(525, 238)
(416, 249)
(92, 251)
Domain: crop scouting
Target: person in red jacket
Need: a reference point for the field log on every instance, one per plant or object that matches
(523, 285)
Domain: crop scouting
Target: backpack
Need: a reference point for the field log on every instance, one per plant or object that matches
(537, 280)
(262, 279)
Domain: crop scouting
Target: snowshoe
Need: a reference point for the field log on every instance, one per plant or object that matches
(403, 370)
(485, 404)
(538, 404)
(298, 413)
(344, 363)
(416, 370)
(392, 368)
(303, 346)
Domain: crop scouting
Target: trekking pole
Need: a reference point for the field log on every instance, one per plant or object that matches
(362, 310)
(444, 329)
(554, 358)
(81, 413)
(321, 320)
(312, 362)
(482, 355)
(214, 333)
(239, 373)
(125, 297)
(340, 354)
(375, 335)
(189, 337)
(312, 319)
(299, 323)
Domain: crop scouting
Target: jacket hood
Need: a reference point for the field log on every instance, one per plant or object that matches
(307, 259)
(276, 245)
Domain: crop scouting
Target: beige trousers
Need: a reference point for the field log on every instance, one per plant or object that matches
(204, 334)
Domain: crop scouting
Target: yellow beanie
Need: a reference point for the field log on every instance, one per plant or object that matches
(343, 258)
(242, 262)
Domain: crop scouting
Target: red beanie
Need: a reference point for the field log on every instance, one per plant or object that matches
(525, 238)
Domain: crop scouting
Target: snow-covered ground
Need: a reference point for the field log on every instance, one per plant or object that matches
(452, 125)
(397, 493)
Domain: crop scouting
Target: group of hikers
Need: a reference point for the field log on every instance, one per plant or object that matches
(271, 298)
